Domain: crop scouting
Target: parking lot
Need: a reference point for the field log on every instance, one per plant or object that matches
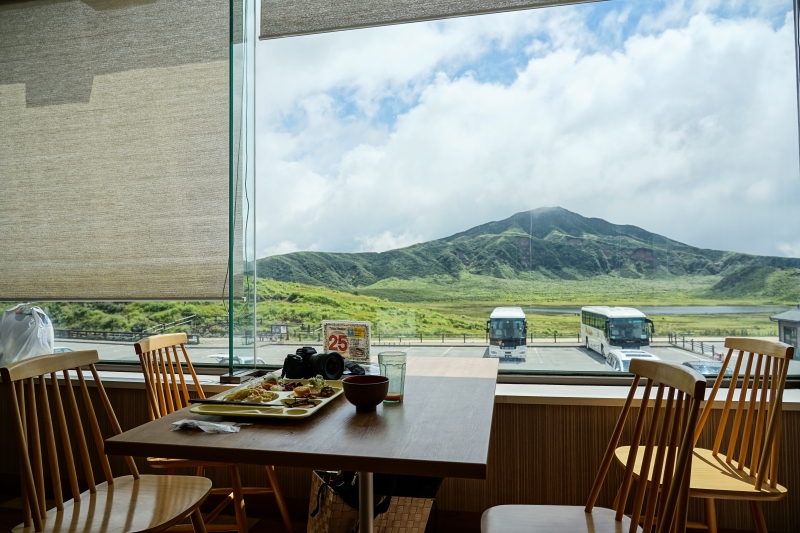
(566, 358)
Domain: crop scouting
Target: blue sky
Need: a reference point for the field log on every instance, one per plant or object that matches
(676, 116)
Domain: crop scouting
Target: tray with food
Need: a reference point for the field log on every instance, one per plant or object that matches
(271, 397)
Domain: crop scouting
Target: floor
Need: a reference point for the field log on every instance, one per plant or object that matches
(264, 517)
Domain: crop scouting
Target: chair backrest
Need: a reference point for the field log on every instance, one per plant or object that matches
(670, 436)
(760, 402)
(163, 373)
(25, 381)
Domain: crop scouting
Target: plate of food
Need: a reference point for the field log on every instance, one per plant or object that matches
(271, 397)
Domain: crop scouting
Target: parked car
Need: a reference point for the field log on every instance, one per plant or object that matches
(62, 349)
(620, 360)
(708, 368)
(237, 360)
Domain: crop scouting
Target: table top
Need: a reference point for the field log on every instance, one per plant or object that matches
(441, 429)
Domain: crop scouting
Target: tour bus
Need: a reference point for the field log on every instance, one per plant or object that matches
(604, 327)
(508, 329)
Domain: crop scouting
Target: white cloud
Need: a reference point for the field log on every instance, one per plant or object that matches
(688, 131)
(283, 247)
(387, 241)
(790, 249)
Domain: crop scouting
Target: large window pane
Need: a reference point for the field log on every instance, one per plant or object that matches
(627, 154)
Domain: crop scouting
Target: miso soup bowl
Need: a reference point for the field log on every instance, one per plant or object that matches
(365, 392)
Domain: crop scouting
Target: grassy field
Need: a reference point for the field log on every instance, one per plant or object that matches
(427, 307)
(432, 307)
(602, 290)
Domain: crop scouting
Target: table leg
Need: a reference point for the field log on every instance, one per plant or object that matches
(365, 502)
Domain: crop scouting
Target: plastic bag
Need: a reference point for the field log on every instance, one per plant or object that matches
(25, 332)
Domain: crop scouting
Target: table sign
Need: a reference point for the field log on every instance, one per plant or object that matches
(348, 337)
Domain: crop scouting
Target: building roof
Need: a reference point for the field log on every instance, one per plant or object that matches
(792, 315)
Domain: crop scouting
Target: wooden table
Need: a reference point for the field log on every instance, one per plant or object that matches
(441, 429)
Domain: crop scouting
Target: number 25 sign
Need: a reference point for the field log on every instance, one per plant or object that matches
(349, 338)
(338, 343)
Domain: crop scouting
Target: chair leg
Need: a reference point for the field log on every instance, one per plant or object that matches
(197, 521)
(711, 515)
(218, 509)
(276, 490)
(238, 499)
(758, 517)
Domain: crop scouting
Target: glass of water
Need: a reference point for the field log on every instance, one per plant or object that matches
(393, 366)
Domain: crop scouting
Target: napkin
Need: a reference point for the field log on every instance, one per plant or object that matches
(208, 427)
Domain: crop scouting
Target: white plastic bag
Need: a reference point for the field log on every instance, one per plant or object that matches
(25, 332)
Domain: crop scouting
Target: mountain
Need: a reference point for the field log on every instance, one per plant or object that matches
(552, 242)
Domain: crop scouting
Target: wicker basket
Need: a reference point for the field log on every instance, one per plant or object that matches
(405, 515)
(334, 515)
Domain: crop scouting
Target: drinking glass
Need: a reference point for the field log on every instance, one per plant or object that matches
(393, 366)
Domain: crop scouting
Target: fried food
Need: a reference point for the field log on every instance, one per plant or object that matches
(302, 392)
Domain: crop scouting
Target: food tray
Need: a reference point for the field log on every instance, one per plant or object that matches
(267, 410)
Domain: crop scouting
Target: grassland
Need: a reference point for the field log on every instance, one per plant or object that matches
(431, 306)
(434, 306)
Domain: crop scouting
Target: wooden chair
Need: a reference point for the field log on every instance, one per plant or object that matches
(123, 504)
(749, 468)
(669, 439)
(166, 393)
(755, 476)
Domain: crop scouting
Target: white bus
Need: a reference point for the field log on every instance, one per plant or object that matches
(507, 328)
(604, 327)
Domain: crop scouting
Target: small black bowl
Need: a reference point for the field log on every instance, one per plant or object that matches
(365, 392)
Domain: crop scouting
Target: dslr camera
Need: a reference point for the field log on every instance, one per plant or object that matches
(307, 363)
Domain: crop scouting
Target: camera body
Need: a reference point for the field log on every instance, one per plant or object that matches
(306, 363)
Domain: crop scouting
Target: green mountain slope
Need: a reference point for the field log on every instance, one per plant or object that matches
(546, 243)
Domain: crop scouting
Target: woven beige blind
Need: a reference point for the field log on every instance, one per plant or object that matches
(285, 18)
(114, 150)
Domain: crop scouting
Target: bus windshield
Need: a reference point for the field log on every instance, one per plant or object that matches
(627, 329)
(507, 328)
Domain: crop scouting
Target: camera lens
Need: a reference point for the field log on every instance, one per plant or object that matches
(334, 366)
(329, 365)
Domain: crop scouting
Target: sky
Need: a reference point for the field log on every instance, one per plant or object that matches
(678, 116)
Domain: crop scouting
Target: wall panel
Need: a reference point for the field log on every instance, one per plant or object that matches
(539, 454)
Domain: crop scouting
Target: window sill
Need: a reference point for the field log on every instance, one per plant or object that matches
(601, 396)
(507, 393)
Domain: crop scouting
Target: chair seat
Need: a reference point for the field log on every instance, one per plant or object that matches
(149, 504)
(551, 519)
(712, 477)
(165, 462)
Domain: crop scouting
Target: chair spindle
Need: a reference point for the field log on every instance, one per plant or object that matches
(622, 495)
(50, 439)
(83, 449)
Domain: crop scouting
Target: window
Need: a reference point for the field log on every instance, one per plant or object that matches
(599, 155)
(627, 156)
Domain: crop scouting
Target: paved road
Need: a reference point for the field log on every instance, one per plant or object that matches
(539, 358)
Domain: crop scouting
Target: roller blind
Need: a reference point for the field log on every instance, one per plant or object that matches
(114, 149)
(285, 18)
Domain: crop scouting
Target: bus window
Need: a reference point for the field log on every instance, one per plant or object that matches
(627, 329)
(507, 328)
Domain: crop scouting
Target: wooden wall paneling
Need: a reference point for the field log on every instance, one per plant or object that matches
(530, 443)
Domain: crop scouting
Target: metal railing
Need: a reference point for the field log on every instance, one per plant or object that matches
(303, 335)
(702, 347)
(113, 336)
